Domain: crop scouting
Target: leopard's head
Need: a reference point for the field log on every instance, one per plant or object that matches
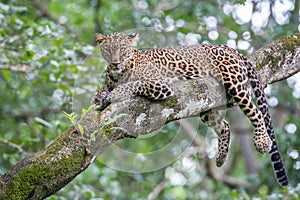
(116, 47)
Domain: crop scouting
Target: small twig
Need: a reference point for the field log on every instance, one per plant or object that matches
(13, 145)
(98, 28)
(228, 180)
(188, 129)
(191, 132)
(17, 68)
(246, 149)
(157, 190)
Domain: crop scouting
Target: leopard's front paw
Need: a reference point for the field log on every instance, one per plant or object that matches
(100, 104)
(100, 100)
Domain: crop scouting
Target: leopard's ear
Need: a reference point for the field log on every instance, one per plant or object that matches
(133, 38)
(100, 38)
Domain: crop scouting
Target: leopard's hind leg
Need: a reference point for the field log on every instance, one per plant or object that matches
(215, 120)
(242, 97)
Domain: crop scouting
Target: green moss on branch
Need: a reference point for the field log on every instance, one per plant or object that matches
(55, 167)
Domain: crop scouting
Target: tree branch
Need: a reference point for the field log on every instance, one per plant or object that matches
(228, 180)
(50, 169)
(18, 68)
(157, 190)
(97, 24)
(45, 13)
(278, 60)
(12, 145)
(232, 182)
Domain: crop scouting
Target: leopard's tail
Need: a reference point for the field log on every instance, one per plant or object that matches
(261, 101)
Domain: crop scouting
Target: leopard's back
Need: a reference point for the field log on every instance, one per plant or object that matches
(183, 62)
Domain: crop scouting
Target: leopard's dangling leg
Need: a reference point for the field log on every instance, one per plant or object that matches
(215, 120)
(242, 97)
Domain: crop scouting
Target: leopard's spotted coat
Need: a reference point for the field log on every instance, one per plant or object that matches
(148, 73)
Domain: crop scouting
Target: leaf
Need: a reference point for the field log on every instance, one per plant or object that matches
(93, 136)
(7, 75)
(90, 107)
(112, 120)
(102, 128)
(80, 129)
(85, 111)
(58, 42)
(43, 122)
(70, 116)
(67, 115)
(29, 54)
(117, 128)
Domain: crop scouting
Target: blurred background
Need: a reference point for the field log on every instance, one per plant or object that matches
(49, 64)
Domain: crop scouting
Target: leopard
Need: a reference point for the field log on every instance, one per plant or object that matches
(148, 73)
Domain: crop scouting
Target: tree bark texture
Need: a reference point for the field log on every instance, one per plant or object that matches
(47, 171)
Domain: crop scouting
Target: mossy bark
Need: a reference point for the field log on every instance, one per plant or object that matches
(50, 169)
(278, 60)
(43, 173)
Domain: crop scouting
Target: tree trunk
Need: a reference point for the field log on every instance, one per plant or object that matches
(47, 171)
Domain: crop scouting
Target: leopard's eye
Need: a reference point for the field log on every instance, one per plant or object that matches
(122, 49)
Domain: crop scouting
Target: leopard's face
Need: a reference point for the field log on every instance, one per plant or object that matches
(116, 47)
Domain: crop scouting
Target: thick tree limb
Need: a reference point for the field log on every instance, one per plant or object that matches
(278, 60)
(50, 169)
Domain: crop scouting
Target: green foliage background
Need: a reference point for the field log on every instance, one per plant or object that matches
(48, 61)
